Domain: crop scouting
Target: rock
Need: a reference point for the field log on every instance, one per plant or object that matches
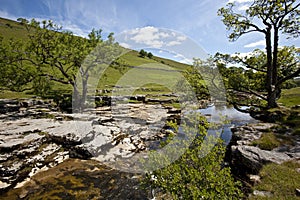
(254, 178)
(245, 135)
(246, 159)
(35, 137)
(262, 193)
(251, 159)
(297, 192)
(80, 152)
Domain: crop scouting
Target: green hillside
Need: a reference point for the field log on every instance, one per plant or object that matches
(12, 30)
(131, 60)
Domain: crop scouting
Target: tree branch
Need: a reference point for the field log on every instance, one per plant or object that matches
(249, 66)
(296, 73)
(249, 91)
(51, 77)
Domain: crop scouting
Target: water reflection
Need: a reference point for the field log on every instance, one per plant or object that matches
(234, 117)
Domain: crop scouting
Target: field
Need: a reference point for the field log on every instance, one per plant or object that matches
(147, 76)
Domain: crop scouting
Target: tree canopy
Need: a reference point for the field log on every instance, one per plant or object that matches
(52, 54)
(271, 18)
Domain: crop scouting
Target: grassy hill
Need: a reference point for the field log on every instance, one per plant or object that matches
(14, 30)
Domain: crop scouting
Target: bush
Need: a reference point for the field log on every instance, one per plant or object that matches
(194, 175)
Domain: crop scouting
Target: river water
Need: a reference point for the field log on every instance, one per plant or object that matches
(234, 117)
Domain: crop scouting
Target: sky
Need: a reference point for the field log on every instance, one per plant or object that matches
(181, 28)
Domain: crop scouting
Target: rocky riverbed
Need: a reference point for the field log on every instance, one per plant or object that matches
(35, 137)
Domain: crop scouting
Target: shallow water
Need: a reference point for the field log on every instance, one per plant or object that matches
(235, 118)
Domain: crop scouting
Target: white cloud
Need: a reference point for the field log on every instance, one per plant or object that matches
(243, 8)
(173, 43)
(181, 58)
(75, 29)
(239, 1)
(149, 36)
(255, 44)
(181, 38)
(154, 37)
(123, 44)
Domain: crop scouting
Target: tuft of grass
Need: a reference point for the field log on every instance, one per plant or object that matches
(268, 141)
(281, 180)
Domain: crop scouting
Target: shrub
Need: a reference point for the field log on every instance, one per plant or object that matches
(195, 175)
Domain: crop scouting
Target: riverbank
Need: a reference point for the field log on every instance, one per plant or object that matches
(266, 156)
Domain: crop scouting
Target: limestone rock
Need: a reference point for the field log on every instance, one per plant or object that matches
(252, 158)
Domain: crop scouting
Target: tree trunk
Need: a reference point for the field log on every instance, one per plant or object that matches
(76, 100)
(275, 63)
(84, 92)
(271, 97)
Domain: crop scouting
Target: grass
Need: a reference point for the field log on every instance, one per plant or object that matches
(12, 29)
(5, 94)
(269, 141)
(281, 180)
(290, 97)
(156, 70)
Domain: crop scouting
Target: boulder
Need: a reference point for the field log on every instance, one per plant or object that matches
(246, 159)
(251, 159)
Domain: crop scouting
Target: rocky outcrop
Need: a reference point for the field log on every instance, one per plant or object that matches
(35, 137)
(248, 159)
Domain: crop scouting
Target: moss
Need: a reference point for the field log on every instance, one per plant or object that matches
(281, 180)
(268, 141)
(76, 179)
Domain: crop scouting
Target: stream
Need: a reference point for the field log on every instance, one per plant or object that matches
(235, 118)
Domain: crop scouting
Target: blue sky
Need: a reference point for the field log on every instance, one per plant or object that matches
(191, 22)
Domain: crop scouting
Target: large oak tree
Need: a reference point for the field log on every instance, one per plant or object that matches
(271, 18)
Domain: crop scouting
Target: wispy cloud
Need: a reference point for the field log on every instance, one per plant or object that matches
(239, 1)
(5, 14)
(153, 37)
(255, 44)
(181, 58)
(243, 8)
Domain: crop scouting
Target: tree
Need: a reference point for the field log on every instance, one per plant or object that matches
(143, 53)
(270, 18)
(15, 74)
(150, 55)
(56, 55)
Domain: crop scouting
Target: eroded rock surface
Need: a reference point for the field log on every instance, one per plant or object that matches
(35, 137)
(248, 159)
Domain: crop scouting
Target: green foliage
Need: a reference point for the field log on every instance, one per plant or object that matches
(279, 13)
(143, 53)
(150, 55)
(42, 86)
(195, 175)
(251, 80)
(269, 18)
(195, 80)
